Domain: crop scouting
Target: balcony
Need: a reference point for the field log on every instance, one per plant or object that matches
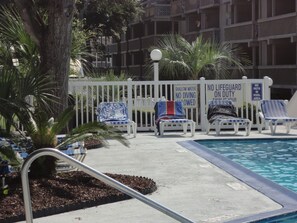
(284, 25)
(124, 46)
(280, 74)
(204, 4)
(191, 6)
(177, 8)
(212, 34)
(113, 48)
(239, 31)
(191, 36)
(150, 41)
(134, 44)
(157, 11)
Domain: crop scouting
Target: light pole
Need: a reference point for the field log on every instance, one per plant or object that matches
(156, 56)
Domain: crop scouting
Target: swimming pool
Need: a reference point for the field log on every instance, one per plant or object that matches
(267, 165)
(275, 159)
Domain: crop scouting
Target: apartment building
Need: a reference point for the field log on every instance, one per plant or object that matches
(132, 52)
(266, 30)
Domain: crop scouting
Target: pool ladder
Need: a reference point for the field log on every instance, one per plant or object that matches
(92, 172)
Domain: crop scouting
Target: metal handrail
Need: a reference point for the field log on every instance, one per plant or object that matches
(92, 172)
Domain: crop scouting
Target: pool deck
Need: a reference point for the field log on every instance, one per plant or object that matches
(187, 183)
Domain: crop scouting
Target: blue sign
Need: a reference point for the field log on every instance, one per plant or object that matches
(257, 92)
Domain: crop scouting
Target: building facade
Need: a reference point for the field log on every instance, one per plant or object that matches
(266, 30)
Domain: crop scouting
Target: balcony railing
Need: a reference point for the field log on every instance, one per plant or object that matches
(134, 44)
(281, 74)
(113, 48)
(124, 46)
(208, 3)
(212, 34)
(241, 31)
(191, 5)
(149, 41)
(276, 26)
(191, 36)
(157, 11)
(177, 8)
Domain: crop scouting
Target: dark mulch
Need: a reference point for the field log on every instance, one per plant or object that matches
(66, 192)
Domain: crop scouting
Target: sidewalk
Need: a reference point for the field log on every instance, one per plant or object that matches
(186, 184)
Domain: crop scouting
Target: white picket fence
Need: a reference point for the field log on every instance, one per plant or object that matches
(141, 96)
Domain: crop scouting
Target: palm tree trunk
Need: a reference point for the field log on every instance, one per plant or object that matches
(55, 50)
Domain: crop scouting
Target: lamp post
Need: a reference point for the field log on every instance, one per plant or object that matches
(156, 56)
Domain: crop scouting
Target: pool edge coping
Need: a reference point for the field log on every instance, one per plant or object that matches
(286, 198)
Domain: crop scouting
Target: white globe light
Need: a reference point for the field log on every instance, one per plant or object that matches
(156, 55)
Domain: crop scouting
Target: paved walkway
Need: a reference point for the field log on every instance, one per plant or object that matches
(186, 183)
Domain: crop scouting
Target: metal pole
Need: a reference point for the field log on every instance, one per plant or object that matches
(92, 172)
(156, 79)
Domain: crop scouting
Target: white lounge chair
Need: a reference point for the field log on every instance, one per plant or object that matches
(223, 112)
(171, 112)
(274, 112)
(116, 114)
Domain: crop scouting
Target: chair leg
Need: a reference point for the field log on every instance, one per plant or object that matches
(288, 127)
(192, 126)
(129, 129)
(236, 127)
(208, 128)
(162, 128)
(134, 129)
(248, 127)
(218, 127)
(185, 126)
(272, 127)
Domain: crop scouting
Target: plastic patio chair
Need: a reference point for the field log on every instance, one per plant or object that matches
(223, 112)
(274, 112)
(115, 114)
(171, 112)
(76, 150)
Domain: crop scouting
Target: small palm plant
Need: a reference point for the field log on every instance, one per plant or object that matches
(43, 133)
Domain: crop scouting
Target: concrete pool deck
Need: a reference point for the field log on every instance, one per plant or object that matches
(187, 183)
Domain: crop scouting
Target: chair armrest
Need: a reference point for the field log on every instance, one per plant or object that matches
(260, 117)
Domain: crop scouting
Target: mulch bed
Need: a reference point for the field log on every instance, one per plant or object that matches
(66, 192)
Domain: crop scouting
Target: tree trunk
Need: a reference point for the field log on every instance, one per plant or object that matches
(55, 47)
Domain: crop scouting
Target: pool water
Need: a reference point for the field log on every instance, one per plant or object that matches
(289, 218)
(274, 159)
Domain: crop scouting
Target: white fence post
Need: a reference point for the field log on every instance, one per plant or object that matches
(202, 104)
(267, 83)
(130, 100)
(244, 96)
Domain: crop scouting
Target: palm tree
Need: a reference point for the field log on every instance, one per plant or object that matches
(183, 60)
(19, 70)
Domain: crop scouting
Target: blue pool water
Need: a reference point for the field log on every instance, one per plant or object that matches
(290, 218)
(275, 160)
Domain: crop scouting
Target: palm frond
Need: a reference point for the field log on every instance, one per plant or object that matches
(96, 130)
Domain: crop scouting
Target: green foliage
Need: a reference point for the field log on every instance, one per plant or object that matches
(7, 153)
(21, 80)
(110, 19)
(43, 130)
(184, 60)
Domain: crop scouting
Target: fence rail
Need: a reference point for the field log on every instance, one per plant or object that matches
(195, 94)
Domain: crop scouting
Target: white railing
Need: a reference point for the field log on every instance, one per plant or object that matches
(195, 94)
(92, 172)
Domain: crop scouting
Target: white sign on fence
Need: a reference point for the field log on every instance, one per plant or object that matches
(187, 94)
(232, 92)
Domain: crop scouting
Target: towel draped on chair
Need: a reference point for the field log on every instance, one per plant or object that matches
(221, 112)
(171, 112)
(216, 111)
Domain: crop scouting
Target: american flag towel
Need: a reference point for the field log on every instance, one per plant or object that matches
(169, 110)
